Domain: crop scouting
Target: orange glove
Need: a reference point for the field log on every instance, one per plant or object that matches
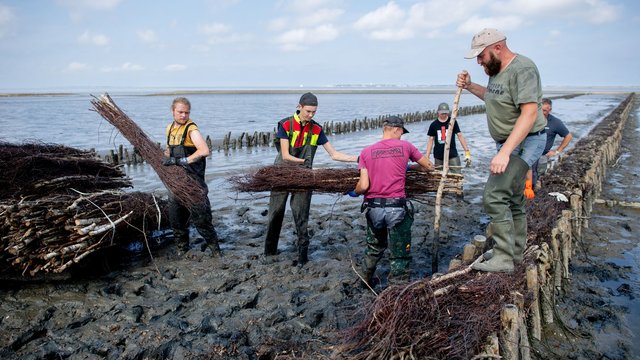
(528, 190)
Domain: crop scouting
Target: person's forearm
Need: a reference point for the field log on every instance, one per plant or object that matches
(463, 142)
(565, 142)
(476, 89)
(429, 147)
(338, 156)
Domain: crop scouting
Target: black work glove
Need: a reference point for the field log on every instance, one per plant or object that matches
(307, 162)
(168, 161)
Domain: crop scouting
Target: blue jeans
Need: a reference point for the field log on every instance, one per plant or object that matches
(530, 149)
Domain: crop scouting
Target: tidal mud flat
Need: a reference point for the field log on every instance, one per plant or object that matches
(244, 305)
(599, 315)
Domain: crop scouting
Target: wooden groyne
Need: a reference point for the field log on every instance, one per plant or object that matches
(472, 315)
(250, 139)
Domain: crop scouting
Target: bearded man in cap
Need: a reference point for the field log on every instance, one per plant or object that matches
(389, 214)
(297, 139)
(513, 105)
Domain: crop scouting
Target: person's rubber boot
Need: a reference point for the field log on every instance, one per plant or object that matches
(488, 234)
(215, 249)
(303, 254)
(368, 272)
(398, 278)
(502, 259)
(270, 246)
(182, 241)
(520, 239)
(213, 243)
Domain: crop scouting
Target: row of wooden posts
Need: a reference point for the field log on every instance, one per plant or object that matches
(126, 156)
(545, 279)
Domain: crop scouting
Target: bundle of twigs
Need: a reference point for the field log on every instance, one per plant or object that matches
(53, 233)
(333, 180)
(431, 319)
(38, 169)
(58, 205)
(189, 191)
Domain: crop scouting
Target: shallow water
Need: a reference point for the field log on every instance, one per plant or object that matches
(67, 120)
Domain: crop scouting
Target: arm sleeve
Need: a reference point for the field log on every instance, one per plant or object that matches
(526, 81)
(322, 138)
(432, 130)
(414, 153)
(281, 133)
(456, 128)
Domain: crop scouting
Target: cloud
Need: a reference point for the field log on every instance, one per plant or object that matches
(75, 67)
(309, 22)
(388, 16)
(552, 38)
(218, 33)
(126, 67)
(435, 14)
(601, 12)
(308, 6)
(7, 19)
(78, 8)
(476, 23)
(94, 39)
(593, 11)
(385, 23)
(147, 36)
(299, 39)
(175, 67)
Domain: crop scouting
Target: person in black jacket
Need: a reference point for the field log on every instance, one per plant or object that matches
(297, 139)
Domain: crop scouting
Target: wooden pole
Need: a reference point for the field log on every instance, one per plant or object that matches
(445, 170)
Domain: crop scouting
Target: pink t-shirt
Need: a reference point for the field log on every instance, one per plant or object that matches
(386, 163)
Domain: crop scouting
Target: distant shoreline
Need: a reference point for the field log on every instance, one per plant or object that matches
(337, 90)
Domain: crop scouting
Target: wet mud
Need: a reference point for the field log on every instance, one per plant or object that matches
(241, 306)
(599, 314)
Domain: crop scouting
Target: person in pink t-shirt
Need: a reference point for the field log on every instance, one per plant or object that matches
(383, 168)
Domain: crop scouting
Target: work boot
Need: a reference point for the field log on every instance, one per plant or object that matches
(368, 272)
(520, 239)
(182, 241)
(303, 252)
(502, 259)
(215, 250)
(398, 279)
(213, 243)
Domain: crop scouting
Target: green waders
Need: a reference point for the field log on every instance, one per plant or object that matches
(399, 239)
(504, 202)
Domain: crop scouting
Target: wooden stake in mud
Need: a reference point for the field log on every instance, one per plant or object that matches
(445, 170)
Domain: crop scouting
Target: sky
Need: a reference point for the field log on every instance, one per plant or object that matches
(51, 45)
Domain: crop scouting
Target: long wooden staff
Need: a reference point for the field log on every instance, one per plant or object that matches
(445, 170)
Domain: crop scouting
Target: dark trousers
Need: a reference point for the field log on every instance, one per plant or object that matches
(300, 204)
(201, 218)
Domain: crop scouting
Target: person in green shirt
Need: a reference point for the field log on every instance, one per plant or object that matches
(516, 124)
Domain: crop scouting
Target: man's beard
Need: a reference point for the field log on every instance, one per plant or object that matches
(492, 67)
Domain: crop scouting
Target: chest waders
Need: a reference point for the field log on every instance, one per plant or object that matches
(300, 200)
(179, 215)
(504, 202)
(389, 224)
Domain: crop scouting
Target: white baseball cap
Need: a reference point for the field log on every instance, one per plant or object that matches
(481, 40)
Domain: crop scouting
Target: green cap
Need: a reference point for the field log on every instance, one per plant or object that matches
(443, 108)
